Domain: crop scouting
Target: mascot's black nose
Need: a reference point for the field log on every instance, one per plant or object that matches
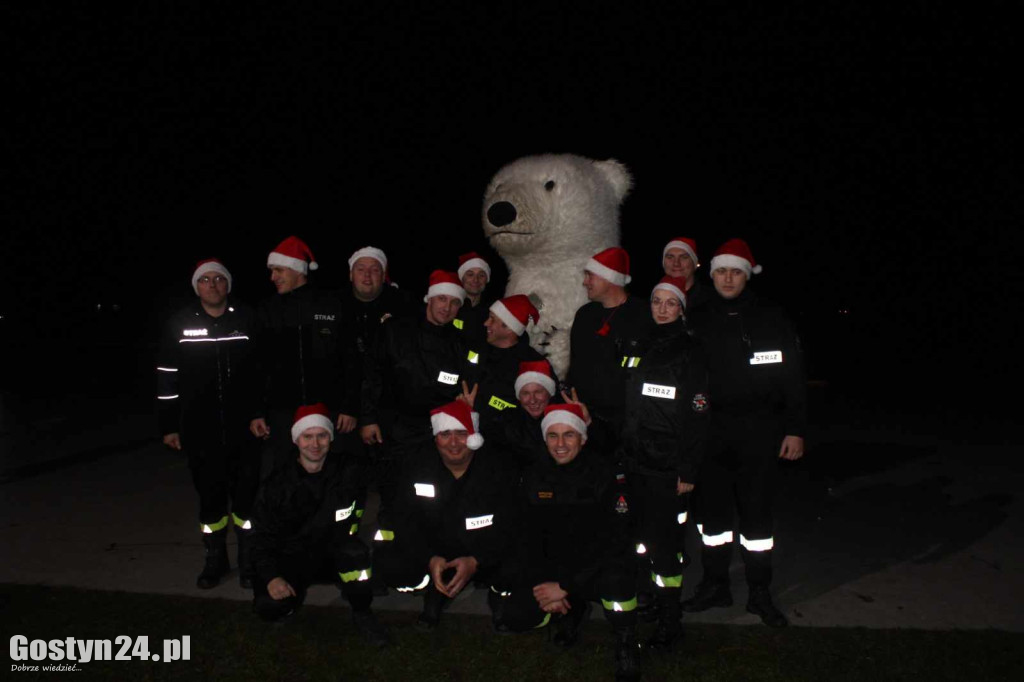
(501, 214)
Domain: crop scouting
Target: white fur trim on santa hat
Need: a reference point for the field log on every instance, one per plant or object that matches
(502, 312)
(535, 378)
(209, 267)
(297, 264)
(442, 421)
(308, 422)
(475, 263)
(672, 289)
(368, 252)
(605, 272)
(563, 417)
(728, 260)
(676, 244)
(445, 288)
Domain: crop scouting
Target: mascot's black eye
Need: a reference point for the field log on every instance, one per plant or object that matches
(549, 185)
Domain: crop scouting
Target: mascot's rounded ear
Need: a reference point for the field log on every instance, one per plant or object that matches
(617, 175)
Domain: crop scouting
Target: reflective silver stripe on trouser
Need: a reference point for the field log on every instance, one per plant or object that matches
(714, 540)
(423, 583)
(757, 545)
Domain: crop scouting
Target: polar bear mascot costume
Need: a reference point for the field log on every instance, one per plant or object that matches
(546, 216)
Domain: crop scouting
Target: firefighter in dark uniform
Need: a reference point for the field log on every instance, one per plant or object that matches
(517, 434)
(663, 444)
(417, 365)
(307, 356)
(605, 336)
(372, 298)
(203, 372)
(679, 259)
(450, 521)
(365, 306)
(498, 362)
(304, 529)
(475, 274)
(759, 396)
(573, 544)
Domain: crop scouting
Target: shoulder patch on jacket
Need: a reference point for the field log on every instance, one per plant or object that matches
(622, 507)
(700, 402)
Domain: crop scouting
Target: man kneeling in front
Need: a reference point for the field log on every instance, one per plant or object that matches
(303, 529)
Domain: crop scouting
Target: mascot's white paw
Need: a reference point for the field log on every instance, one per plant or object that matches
(546, 216)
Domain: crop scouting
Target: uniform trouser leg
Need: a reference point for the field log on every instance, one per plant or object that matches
(209, 469)
(661, 515)
(396, 566)
(346, 565)
(353, 567)
(756, 478)
(613, 586)
(716, 511)
(278, 448)
(297, 570)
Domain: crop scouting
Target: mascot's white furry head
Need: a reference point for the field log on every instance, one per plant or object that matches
(546, 216)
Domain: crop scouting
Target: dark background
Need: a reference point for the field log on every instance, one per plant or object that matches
(865, 153)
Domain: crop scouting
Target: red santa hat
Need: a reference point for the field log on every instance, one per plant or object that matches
(444, 282)
(569, 414)
(209, 265)
(310, 416)
(294, 254)
(471, 260)
(735, 254)
(456, 416)
(535, 372)
(369, 252)
(673, 285)
(516, 312)
(611, 264)
(686, 244)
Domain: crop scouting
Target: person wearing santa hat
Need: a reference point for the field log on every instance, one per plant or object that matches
(759, 417)
(203, 367)
(304, 529)
(679, 259)
(663, 443)
(372, 298)
(475, 275)
(498, 362)
(572, 545)
(605, 334)
(517, 433)
(417, 364)
(449, 522)
(305, 350)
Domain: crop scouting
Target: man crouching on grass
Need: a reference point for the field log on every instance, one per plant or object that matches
(303, 530)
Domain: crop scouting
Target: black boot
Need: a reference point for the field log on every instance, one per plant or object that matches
(669, 626)
(245, 569)
(433, 604)
(372, 630)
(760, 603)
(216, 566)
(569, 627)
(627, 654)
(710, 594)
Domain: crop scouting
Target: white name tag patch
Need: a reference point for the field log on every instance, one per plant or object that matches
(472, 523)
(768, 357)
(424, 489)
(342, 514)
(446, 378)
(656, 391)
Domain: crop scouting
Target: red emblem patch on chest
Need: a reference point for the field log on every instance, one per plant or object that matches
(621, 507)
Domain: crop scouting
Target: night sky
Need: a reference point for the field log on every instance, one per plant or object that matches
(865, 154)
